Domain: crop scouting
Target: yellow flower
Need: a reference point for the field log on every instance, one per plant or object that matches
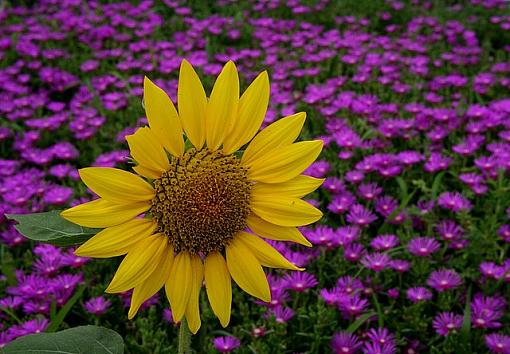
(205, 208)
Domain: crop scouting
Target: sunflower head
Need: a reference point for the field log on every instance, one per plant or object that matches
(207, 209)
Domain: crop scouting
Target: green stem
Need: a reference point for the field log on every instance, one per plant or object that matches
(184, 338)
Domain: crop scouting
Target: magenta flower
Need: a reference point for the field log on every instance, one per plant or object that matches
(345, 343)
(280, 313)
(376, 261)
(444, 279)
(454, 201)
(498, 343)
(423, 246)
(418, 294)
(300, 281)
(345, 235)
(384, 242)
(359, 215)
(341, 202)
(353, 252)
(486, 311)
(97, 305)
(449, 230)
(226, 344)
(446, 323)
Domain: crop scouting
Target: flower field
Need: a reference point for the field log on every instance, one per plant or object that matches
(411, 100)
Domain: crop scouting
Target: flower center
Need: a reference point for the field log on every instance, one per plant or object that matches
(202, 201)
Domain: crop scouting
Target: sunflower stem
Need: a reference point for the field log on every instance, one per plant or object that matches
(184, 338)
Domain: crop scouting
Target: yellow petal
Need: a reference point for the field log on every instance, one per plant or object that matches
(285, 163)
(101, 213)
(218, 286)
(141, 260)
(192, 103)
(147, 150)
(275, 232)
(252, 109)
(285, 211)
(297, 187)
(146, 172)
(247, 271)
(117, 240)
(153, 283)
(265, 253)
(116, 186)
(163, 118)
(193, 309)
(222, 106)
(280, 133)
(178, 286)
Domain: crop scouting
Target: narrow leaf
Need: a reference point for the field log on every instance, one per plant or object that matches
(361, 319)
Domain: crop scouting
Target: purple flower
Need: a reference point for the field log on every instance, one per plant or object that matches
(369, 191)
(376, 348)
(376, 261)
(449, 230)
(504, 232)
(446, 323)
(280, 313)
(384, 242)
(385, 205)
(423, 246)
(353, 252)
(487, 310)
(418, 294)
(381, 336)
(454, 201)
(347, 235)
(300, 281)
(333, 185)
(97, 305)
(352, 305)
(498, 343)
(444, 279)
(341, 202)
(226, 344)
(345, 343)
(33, 326)
(400, 265)
(359, 215)
(349, 285)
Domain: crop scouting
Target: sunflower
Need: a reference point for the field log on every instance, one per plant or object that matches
(205, 208)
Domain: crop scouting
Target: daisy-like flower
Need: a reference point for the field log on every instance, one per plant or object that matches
(423, 246)
(418, 294)
(498, 343)
(199, 202)
(345, 343)
(446, 323)
(444, 279)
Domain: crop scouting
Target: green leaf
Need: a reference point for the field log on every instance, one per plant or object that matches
(50, 227)
(361, 319)
(436, 184)
(77, 340)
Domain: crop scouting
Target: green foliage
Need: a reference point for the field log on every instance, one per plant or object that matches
(77, 340)
(50, 227)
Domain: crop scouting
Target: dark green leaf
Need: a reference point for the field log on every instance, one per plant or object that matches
(78, 340)
(436, 184)
(361, 319)
(50, 227)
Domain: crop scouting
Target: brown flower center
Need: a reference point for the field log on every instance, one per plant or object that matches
(202, 201)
